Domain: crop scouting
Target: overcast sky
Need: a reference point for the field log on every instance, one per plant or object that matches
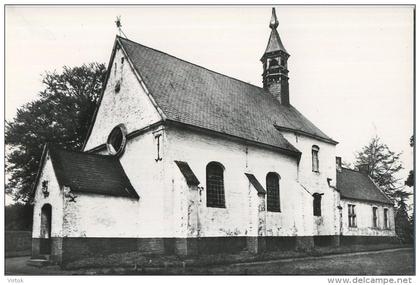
(351, 68)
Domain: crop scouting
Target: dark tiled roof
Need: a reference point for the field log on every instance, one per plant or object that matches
(355, 185)
(91, 173)
(196, 96)
(257, 185)
(274, 43)
(188, 173)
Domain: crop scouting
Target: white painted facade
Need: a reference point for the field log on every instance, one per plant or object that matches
(55, 198)
(168, 207)
(239, 217)
(89, 215)
(364, 219)
(130, 105)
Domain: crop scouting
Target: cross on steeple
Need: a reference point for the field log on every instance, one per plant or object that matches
(119, 26)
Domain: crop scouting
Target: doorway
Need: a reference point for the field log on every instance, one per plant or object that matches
(45, 242)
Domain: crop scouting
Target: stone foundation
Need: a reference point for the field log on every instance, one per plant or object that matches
(324, 241)
(48, 247)
(64, 250)
(349, 240)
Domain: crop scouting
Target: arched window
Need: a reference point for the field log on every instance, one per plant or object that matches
(317, 204)
(215, 191)
(315, 159)
(273, 192)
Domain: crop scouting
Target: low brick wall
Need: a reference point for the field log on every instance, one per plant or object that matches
(65, 250)
(349, 240)
(18, 243)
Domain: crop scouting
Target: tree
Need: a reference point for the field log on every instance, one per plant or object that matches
(381, 165)
(61, 115)
(410, 179)
(18, 217)
(404, 225)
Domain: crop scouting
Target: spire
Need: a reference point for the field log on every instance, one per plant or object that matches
(274, 60)
(274, 23)
(274, 42)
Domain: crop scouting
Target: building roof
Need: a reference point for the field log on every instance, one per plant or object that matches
(274, 43)
(187, 172)
(355, 185)
(91, 173)
(193, 95)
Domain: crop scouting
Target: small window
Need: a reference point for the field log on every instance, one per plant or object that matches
(116, 140)
(273, 62)
(352, 215)
(317, 204)
(283, 62)
(315, 159)
(386, 219)
(215, 191)
(375, 217)
(273, 192)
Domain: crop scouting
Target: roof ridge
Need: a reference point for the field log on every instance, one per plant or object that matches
(186, 61)
(346, 168)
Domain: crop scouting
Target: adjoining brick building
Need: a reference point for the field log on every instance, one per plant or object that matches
(180, 159)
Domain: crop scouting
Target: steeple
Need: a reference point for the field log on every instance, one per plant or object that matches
(275, 74)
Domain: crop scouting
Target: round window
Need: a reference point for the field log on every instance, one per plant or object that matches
(117, 140)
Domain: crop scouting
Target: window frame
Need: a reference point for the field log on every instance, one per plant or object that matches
(119, 130)
(315, 158)
(352, 217)
(317, 208)
(273, 192)
(387, 224)
(215, 198)
(375, 220)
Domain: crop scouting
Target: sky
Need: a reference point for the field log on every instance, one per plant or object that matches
(351, 67)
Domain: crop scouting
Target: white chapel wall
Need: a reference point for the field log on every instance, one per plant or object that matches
(328, 223)
(55, 199)
(364, 219)
(94, 215)
(130, 106)
(198, 150)
(148, 179)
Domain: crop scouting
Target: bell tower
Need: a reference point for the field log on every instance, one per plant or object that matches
(275, 74)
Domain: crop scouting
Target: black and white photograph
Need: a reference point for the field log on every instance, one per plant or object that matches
(210, 140)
